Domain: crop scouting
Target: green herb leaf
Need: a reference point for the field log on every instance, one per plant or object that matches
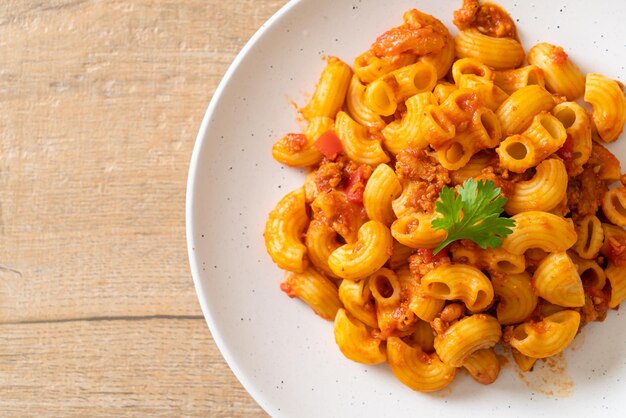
(473, 214)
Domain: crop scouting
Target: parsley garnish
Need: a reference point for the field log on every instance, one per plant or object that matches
(472, 214)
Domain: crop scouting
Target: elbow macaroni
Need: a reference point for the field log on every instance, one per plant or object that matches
(518, 110)
(459, 282)
(369, 67)
(283, 231)
(358, 110)
(491, 96)
(616, 275)
(614, 205)
(383, 94)
(548, 337)
(356, 143)
(590, 272)
(291, 153)
(590, 237)
(561, 75)
(416, 369)
(331, 90)
(543, 192)
(400, 134)
(543, 230)
(381, 189)
(517, 299)
(473, 66)
(483, 365)
(543, 137)
(557, 281)
(370, 252)
(499, 53)
(465, 337)
(609, 105)
(577, 126)
(316, 290)
(415, 230)
(356, 342)
(511, 80)
(321, 241)
(357, 300)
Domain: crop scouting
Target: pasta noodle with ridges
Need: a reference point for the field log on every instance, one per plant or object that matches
(465, 337)
(609, 105)
(561, 75)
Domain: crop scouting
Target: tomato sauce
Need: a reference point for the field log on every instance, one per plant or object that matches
(492, 20)
(489, 19)
(356, 184)
(558, 56)
(615, 250)
(566, 152)
(288, 289)
(295, 142)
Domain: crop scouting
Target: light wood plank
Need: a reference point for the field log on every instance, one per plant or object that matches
(100, 102)
(117, 368)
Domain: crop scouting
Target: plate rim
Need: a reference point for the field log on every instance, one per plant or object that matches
(200, 140)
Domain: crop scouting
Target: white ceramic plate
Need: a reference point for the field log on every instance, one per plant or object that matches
(285, 355)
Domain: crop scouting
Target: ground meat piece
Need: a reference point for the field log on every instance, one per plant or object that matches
(334, 209)
(566, 153)
(614, 249)
(423, 196)
(427, 175)
(416, 164)
(465, 16)
(600, 299)
(355, 184)
(423, 261)
(452, 312)
(417, 19)
(351, 167)
(507, 334)
(439, 327)
(604, 163)
(489, 19)
(492, 20)
(587, 312)
(420, 34)
(399, 322)
(405, 39)
(447, 317)
(295, 142)
(585, 193)
(507, 187)
(328, 176)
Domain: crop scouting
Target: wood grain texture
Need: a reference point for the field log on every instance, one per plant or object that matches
(159, 367)
(100, 102)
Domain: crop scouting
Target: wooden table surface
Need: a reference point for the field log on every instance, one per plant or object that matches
(100, 102)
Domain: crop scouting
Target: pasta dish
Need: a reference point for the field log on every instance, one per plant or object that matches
(458, 195)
